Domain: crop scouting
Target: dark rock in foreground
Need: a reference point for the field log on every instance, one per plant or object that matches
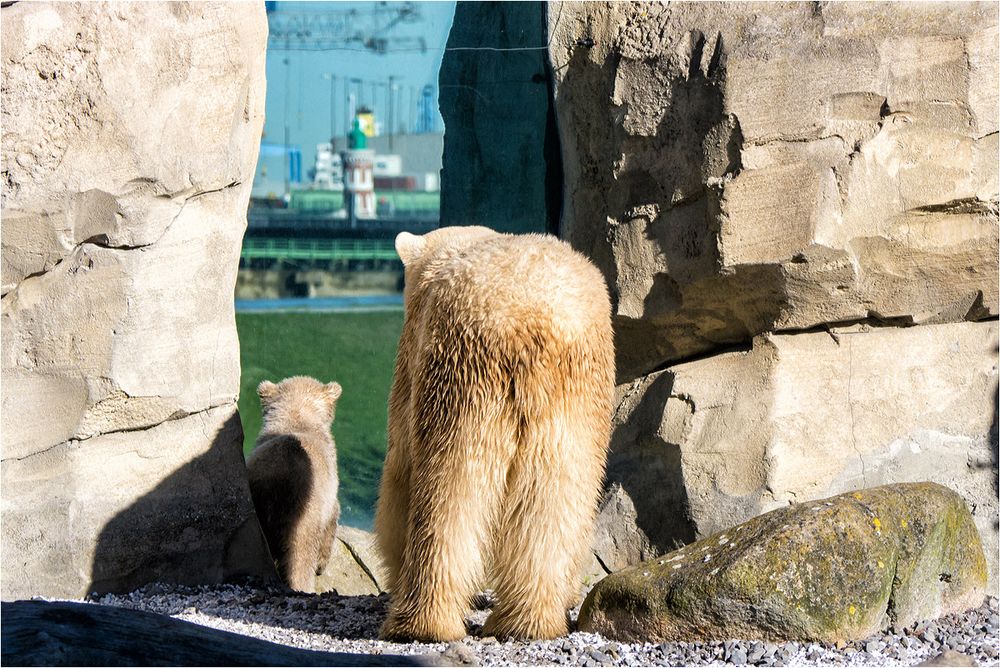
(43, 633)
(836, 569)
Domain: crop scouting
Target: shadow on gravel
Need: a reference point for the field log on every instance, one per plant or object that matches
(257, 602)
(42, 633)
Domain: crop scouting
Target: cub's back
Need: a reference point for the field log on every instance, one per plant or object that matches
(281, 480)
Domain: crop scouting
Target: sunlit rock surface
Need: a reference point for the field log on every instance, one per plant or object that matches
(355, 566)
(130, 137)
(747, 177)
(738, 168)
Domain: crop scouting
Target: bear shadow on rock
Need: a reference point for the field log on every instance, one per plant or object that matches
(646, 468)
(174, 535)
(193, 528)
(649, 471)
(663, 206)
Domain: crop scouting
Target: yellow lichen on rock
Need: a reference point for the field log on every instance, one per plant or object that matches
(770, 587)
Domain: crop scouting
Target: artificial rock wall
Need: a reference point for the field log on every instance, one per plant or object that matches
(130, 138)
(795, 207)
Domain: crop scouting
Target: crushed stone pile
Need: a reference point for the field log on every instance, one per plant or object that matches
(335, 623)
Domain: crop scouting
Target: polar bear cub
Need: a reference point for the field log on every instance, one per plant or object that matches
(293, 476)
(499, 421)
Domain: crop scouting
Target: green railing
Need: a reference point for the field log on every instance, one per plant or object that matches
(400, 202)
(319, 249)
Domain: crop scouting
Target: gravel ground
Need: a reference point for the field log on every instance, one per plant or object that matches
(350, 624)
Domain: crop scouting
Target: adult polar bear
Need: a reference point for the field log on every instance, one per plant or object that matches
(499, 421)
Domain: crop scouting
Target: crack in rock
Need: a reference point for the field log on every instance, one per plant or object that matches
(179, 414)
(102, 240)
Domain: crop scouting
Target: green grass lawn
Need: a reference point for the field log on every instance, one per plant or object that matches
(358, 351)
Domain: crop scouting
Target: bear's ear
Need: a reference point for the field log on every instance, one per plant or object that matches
(332, 392)
(409, 246)
(267, 390)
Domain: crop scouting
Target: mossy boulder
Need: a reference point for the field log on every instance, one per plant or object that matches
(842, 568)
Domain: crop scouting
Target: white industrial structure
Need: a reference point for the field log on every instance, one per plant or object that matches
(417, 157)
(329, 169)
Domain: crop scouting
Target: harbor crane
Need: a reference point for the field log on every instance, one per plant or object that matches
(343, 29)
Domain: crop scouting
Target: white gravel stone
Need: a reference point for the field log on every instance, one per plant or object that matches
(334, 623)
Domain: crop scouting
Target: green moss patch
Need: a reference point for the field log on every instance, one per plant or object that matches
(836, 569)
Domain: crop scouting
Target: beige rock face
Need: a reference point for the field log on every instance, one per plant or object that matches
(130, 135)
(705, 445)
(732, 180)
(748, 176)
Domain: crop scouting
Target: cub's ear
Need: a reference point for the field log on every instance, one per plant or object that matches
(409, 246)
(332, 392)
(267, 390)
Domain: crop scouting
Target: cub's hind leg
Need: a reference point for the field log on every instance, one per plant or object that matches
(326, 545)
(302, 557)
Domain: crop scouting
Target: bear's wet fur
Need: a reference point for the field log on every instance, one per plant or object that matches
(499, 421)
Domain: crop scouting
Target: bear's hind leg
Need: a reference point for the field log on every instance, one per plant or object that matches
(302, 556)
(392, 511)
(546, 527)
(454, 502)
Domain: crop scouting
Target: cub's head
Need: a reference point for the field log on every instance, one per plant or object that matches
(415, 250)
(298, 400)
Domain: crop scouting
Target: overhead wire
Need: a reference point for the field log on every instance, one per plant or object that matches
(281, 46)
